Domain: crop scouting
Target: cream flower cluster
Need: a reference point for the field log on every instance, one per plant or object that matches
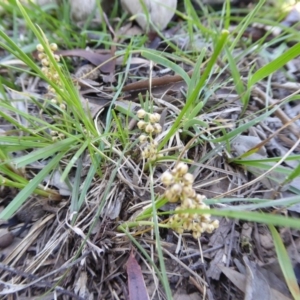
(51, 73)
(48, 68)
(179, 187)
(149, 124)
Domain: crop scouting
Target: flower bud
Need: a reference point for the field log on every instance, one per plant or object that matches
(188, 178)
(53, 47)
(167, 178)
(176, 189)
(39, 48)
(153, 118)
(62, 106)
(143, 138)
(149, 128)
(45, 62)
(141, 113)
(181, 168)
(157, 128)
(215, 223)
(196, 235)
(141, 124)
(56, 57)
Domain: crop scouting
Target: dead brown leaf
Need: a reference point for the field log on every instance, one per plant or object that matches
(239, 280)
(136, 284)
(103, 60)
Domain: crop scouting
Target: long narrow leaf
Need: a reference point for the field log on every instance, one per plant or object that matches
(285, 263)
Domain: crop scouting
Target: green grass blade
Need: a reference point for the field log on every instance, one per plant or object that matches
(275, 65)
(158, 58)
(29, 189)
(285, 263)
(191, 100)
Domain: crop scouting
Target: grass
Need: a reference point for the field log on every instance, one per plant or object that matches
(49, 132)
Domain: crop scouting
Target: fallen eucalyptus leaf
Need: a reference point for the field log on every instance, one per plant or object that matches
(160, 13)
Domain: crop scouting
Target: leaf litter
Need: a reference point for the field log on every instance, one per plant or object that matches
(237, 256)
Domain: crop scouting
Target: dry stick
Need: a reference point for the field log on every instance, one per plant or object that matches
(185, 266)
(155, 82)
